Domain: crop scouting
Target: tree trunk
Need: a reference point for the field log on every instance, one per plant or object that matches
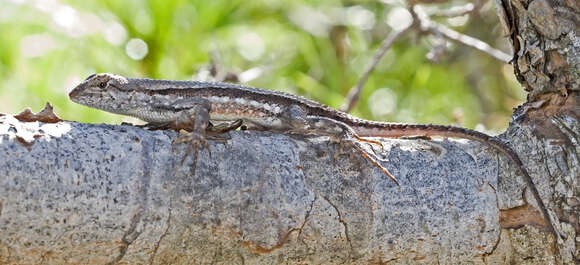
(545, 131)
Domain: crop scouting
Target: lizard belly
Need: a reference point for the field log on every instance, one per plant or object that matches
(157, 116)
(253, 117)
(251, 122)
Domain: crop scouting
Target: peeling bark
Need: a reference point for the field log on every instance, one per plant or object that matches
(546, 42)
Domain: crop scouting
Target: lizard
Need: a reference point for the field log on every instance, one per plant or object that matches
(191, 106)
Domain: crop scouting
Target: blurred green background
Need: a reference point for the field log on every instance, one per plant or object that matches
(317, 49)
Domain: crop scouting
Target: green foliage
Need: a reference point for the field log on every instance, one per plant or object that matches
(302, 47)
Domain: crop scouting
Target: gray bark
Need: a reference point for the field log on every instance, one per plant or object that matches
(98, 194)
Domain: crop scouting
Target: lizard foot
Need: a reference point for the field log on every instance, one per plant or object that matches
(360, 139)
(347, 145)
(218, 132)
(374, 160)
(196, 141)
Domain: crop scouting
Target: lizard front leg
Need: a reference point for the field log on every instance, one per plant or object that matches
(192, 124)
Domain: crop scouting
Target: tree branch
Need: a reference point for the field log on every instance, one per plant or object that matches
(456, 11)
(354, 93)
(77, 189)
(426, 25)
(437, 29)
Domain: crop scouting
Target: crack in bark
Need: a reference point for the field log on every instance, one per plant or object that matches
(342, 221)
(489, 253)
(158, 243)
(262, 250)
(256, 248)
(130, 236)
(307, 215)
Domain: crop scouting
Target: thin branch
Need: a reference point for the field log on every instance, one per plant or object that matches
(470, 41)
(354, 93)
(427, 25)
(456, 11)
(441, 30)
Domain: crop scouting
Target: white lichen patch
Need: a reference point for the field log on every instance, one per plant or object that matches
(29, 131)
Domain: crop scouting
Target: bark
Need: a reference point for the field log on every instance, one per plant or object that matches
(544, 35)
(102, 194)
(545, 131)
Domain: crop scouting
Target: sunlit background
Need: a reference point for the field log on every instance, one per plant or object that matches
(317, 49)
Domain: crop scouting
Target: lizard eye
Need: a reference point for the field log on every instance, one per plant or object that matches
(102, 85)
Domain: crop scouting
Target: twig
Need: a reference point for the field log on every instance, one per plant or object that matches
(354, 93)
(437, 29)
(427, 25)
(470, 41)
(456, 11)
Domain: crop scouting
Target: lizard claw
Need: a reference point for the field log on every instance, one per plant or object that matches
(366, 155)
(360, 139)
(373, 160)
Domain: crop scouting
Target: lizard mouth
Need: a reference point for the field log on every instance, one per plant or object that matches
(73, 94)
(80, 92)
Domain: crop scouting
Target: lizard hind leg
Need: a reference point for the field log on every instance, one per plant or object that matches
(371, 158)
(346, 137)
(345, 143)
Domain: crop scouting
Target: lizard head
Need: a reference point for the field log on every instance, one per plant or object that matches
(101, 91)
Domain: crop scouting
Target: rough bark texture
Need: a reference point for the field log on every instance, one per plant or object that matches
(102, 194)
(546, 41)
(99, 193)
(547, 139)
